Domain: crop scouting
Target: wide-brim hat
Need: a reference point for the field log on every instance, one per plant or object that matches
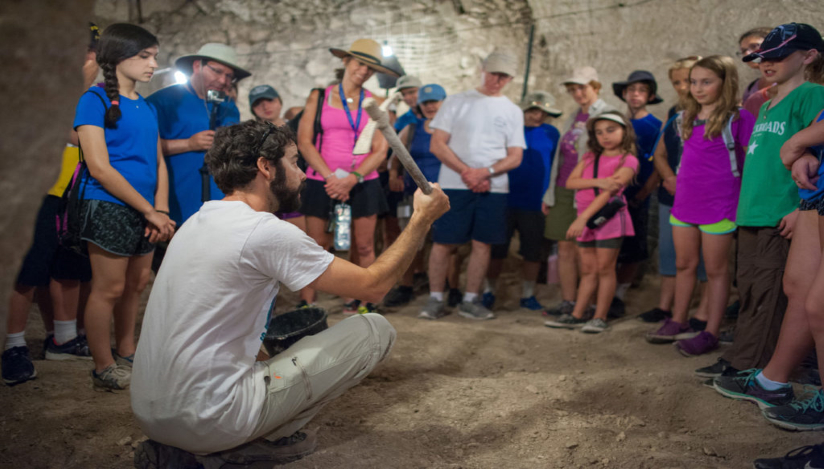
(220, 53)
(638, 76)
(786, 39)
(367, 52)
(541, 100)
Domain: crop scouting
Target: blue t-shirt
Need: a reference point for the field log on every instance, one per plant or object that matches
(132, 146)
(646, 134)
(181, 114)
(818, 151)
(429, 164)
(529, 181)
(405, 119)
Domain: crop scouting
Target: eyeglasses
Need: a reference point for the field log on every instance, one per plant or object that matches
(259, 146)
(229, 76)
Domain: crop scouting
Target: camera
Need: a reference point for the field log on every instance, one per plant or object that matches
(213, 96)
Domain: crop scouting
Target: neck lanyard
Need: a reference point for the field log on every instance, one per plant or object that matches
(355, 125)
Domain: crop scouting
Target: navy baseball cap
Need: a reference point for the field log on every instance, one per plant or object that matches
(786, 39)
(262, 92)
(431, 92)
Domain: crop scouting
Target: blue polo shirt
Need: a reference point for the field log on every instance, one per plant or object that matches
(529, 181)
(806, 194)
(132, 146)
(407, 118)
(181, 114)
(646, 135)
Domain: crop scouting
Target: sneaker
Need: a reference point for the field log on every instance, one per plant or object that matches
(565, 321)
(702, 343)
(799, 415)
(732, 310)
(351, 307)
(595, 326)
(744, 387)
(17, 366)
(75, 349)
(655, 315)
(669, 332)
(617, 309)
(488, 300)
(697, 324)
(719, 368)
(303, 304)
(474, 310)
(113, 378)
(368, 308)
(150, 454)
(454, 298)
(433, 309)
(263, 452)
(811, 457)
(726, 337)
(531, 304)
(123, 361)
(565, 307)
(399, 296)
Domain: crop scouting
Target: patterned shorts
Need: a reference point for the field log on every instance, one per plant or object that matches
(115, 228)
(812, 205)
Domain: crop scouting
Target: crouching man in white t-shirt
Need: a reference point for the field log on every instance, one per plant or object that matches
(196, 388)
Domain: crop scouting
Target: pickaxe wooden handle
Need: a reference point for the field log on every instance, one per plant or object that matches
(382, 121)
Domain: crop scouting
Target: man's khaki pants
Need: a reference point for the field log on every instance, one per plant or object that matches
(318, 369)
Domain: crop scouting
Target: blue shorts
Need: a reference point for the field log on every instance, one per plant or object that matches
(477, 216)
(666, 247)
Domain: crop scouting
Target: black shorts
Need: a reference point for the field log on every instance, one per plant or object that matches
(392, 198)
(118, 229)
(634, 248)
(818, 205)
(530, 226)
(46, 259)
(366, 199)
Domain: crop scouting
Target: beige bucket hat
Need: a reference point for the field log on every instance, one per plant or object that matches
(213, 51)
(582, 76)
(368, 52)
(541, 100)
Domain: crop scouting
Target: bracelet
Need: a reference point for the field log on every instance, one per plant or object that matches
(162, 211)
(358, 176)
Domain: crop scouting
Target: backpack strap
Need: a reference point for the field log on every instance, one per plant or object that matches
(318, 128)
(729, 141)
(595, 174)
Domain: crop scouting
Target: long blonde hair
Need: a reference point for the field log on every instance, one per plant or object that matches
(724, 68)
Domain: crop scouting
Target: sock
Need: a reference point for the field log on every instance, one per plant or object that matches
(438, 295)
(469, 297)
(489, 287)
(621, 290)
(767, 383)
(527, 289)
(16, 340)
(64, 331)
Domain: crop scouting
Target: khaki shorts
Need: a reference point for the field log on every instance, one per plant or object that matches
(561, 215)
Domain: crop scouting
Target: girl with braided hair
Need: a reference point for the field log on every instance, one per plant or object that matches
(125, 196)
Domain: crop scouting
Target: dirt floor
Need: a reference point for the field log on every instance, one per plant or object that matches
(507, 393)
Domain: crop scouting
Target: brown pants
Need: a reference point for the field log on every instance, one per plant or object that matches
(762, 255)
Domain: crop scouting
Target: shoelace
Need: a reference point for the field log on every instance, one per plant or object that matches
(816, 402)
(804, 452)
(748, 375)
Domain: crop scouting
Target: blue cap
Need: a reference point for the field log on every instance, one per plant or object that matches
(431, 92)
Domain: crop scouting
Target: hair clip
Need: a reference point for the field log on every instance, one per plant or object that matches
(115, 102)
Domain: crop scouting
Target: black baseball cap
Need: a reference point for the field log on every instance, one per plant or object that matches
(786, 39)
(638, 76)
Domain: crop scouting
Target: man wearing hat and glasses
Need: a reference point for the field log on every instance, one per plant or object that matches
(479, 137)
(187, 119)
(639, 90)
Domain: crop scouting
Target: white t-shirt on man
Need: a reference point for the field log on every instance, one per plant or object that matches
(481, 129)
(195, 383)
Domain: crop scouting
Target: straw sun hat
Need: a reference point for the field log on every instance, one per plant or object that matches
(368, 52)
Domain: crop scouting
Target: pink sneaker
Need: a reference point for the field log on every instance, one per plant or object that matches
(700, 344)
(670, 331)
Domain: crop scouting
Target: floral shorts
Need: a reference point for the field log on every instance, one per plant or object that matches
(115, 228)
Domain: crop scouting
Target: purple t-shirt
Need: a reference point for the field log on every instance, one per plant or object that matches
(707, 189)
(569, 154)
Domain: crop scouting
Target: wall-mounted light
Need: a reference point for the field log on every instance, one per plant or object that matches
(386, 50)
(180, 77)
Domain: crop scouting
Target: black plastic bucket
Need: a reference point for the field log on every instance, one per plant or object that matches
(286, 329)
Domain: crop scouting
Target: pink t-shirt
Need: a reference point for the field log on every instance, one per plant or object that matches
(621, 224)
(568, 152)
(707, 189)
(338, 139)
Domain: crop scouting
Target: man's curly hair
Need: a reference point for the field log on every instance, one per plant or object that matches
(231, 159)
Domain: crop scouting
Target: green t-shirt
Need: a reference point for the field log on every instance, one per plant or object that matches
(768, 192)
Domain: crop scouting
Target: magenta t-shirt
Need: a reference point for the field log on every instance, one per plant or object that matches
(707, 189)
(569, 154)
(621, 224)
(338, 139)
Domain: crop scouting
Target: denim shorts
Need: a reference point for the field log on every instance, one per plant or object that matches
(666, 247)
(472, 216)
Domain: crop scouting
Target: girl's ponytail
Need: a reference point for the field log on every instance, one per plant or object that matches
(113, 92)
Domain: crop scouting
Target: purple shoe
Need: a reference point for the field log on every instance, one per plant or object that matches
(700, 344)
(669, 332)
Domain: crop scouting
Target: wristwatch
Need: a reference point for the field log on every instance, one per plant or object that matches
(491, 170)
